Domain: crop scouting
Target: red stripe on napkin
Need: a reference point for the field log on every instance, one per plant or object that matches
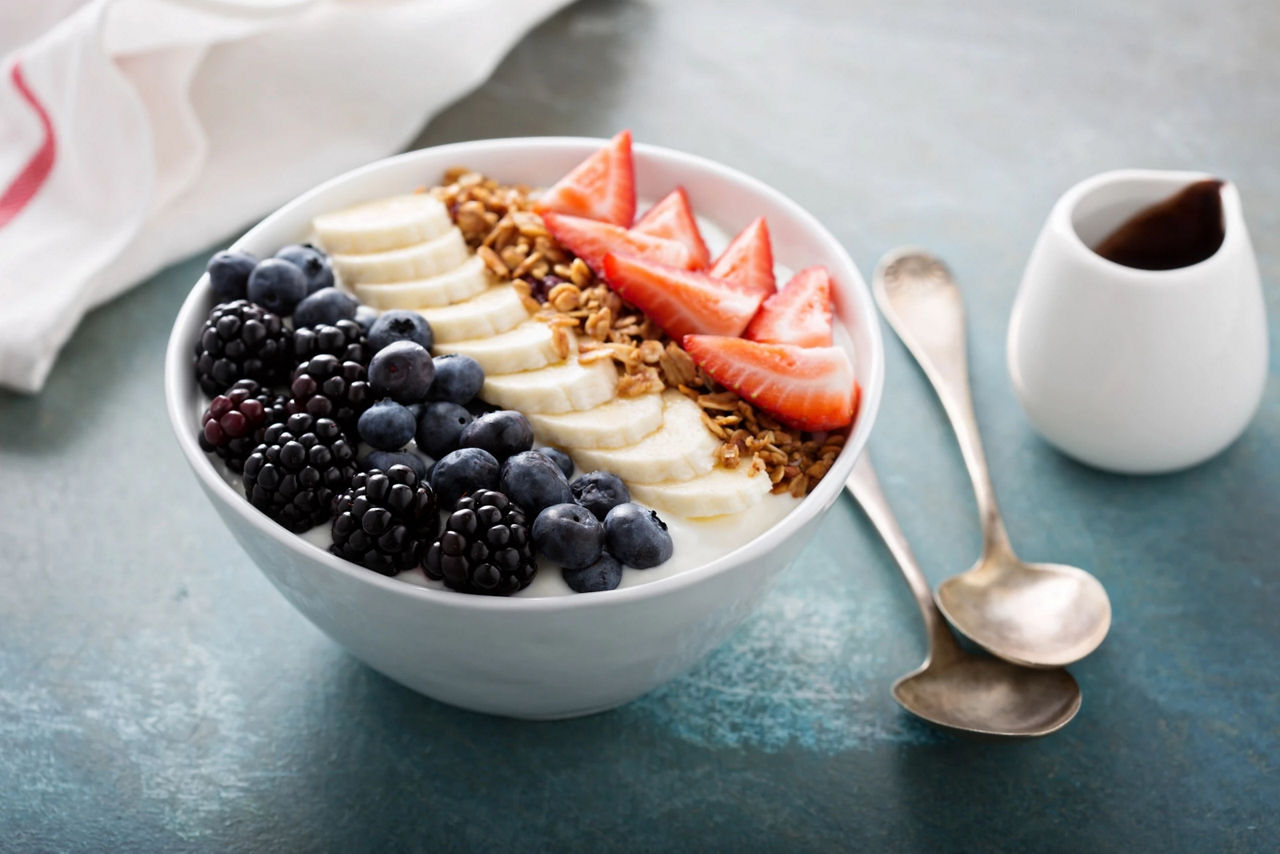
(33, 175)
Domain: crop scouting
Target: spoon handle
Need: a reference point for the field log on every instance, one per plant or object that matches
(922, 303)
(865, 488)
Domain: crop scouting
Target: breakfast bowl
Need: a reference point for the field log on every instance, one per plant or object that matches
(552, 656)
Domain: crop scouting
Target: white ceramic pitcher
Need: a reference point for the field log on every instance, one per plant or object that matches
(1137, 371)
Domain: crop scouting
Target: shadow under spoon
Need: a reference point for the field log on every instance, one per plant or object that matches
(954, 688)
(1035, 614)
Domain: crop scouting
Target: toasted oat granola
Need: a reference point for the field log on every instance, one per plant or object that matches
(498, 223)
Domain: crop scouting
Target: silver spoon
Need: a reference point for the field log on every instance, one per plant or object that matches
(954, 688)
(1037, 614)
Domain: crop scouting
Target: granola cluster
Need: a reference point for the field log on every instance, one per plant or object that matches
(498, 224)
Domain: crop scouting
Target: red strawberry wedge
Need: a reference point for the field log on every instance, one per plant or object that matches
(798, 314)
(808, 388)
(601, 187)
(748, 260)
(591, 241)
(682, 302)
(672, 218)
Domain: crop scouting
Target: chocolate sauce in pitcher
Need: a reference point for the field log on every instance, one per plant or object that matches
(1179, 231)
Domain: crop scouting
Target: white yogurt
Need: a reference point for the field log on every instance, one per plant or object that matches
(695, 542)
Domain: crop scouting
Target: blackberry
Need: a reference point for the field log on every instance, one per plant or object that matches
(484, 548)
(241, 340)
(324, 386)
(233, 424)
(386, 520)
(298, 470)
(344, 339)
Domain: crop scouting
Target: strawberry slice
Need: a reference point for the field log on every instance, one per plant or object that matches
(681, 301)
(798, 314)
(591, 241)
(601, 187)
(808, 388)
(672, 218)
(748, 260)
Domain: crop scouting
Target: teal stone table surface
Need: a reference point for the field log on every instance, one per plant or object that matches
(156, 694)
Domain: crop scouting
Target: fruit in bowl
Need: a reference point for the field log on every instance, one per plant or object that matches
(729, 448)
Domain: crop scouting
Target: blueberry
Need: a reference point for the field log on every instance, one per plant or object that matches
(365, 316)
(402, 371)
(461, 472)
(400, 325)
(440, 427)
(478, 407)
(569, 535)
(600, 492)
(277, 286)
(458, 379)
(636, 536)
(325, 306)
(384, 460)
(560, 458)
(604, 574)
(313, 263)
(386, 425)
(533, 481)
(501, 433)
(229, 273)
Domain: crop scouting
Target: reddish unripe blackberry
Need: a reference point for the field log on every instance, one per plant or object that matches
(234, 423)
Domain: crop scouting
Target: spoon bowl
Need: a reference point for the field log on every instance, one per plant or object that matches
(1035, 614)
(989, 696)
(955, 688)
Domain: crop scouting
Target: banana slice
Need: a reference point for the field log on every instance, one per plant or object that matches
(681, 449)
(495, 310)
(460, 283)
(565, 387)
(382, 224)
(621, 421)
(419, 261)
(525, 348)
(715, 493)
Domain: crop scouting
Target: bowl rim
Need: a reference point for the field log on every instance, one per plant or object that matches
(178, 383)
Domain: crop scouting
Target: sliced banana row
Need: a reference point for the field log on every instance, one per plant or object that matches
(716, 493)
(682, 448)
(461, 283)
(490, 312)
(567, 387)
(383, 224)
(620, 422)
(527, 347)
(419, 261)
(404, 252)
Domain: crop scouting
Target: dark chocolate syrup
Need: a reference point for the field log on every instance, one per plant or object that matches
(1179, 231)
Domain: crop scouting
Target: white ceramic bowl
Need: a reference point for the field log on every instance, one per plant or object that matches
(535, 657)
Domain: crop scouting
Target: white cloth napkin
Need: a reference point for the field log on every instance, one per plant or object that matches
(135, 132)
